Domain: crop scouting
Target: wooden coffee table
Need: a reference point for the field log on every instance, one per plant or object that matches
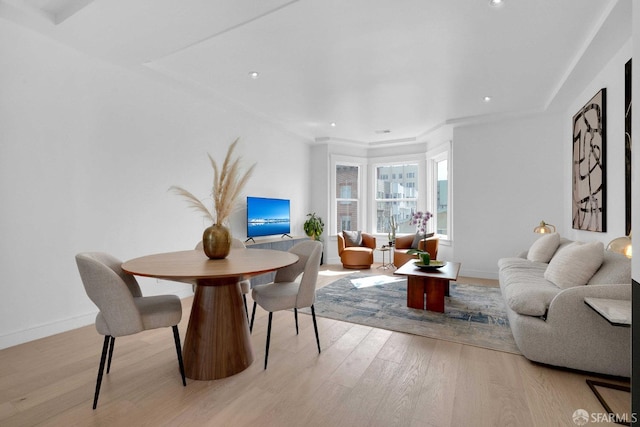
(432, 283)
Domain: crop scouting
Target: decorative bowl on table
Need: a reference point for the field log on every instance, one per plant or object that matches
(432, 264)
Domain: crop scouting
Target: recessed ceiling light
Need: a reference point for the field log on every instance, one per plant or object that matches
(496, 3)
(333, 124)
(487, 99)
(254, 74)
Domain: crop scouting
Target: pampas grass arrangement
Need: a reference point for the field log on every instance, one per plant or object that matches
(228, 182)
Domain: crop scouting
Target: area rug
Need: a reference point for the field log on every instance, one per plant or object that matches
(474, 315)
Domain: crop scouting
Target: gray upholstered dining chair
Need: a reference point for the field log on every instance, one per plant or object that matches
(245, 285)
(123, 309)
(286, 293)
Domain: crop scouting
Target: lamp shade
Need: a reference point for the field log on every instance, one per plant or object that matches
(545, 228)
(621, 245)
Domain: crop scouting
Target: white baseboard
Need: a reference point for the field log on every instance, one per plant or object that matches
(57, 327)
(480, 274)
(42, 331)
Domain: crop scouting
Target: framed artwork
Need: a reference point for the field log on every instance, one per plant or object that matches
(588, 170)
(627, 147)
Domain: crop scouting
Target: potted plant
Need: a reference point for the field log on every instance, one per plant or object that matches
(313, 226)
(424, 256)
(228, 182)
(420, 219)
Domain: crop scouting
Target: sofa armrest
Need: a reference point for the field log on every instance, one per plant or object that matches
(569, 302)
(573, 335)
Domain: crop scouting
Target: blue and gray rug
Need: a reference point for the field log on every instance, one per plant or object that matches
(474, 315)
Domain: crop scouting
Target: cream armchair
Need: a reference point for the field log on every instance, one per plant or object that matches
(123, 309)
(287, 291)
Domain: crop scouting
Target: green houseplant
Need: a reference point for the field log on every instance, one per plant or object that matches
(228, 182)
(313, 226)
(425, 257)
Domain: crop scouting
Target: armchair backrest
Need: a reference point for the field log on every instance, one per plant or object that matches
(341, 243)
(308, 264)
(312, 251)
(113, 291)
(235, 244)
(368, 241)
(430, 245)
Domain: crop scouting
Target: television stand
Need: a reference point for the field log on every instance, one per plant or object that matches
(250, 238)
(285, 234)
(276, 243)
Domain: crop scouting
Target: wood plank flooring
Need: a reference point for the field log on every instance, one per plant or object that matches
(364, 377)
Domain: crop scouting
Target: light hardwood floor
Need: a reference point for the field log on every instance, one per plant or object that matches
(364, 377)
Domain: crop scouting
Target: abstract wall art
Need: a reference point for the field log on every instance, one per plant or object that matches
(588, 171)
(627, 147)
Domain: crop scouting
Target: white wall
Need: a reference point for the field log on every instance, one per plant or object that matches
(507, 178)
(509, 175)
(87, 153)
(611, 77)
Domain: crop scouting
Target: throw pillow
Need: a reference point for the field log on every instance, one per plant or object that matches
(417, 238)
(543, 249)
(575, 264)
(352, 238)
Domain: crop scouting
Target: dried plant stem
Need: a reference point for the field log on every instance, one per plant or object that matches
(228, 183)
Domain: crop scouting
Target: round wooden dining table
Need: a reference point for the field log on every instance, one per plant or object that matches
(217, 343)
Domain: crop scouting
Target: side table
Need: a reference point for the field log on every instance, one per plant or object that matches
(617, 313)
(386, 266)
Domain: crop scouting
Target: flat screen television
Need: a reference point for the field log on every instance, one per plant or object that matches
(267, 217)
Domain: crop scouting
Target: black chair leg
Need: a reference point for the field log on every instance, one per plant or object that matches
(113, 343)
(246, 310)
(176, 338)
(253, 315)
(315, 327)
(103, 358)
(295, 313)
(266, 352)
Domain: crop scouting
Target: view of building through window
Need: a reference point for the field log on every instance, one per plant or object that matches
(396, 196)
(442, 198)
(347, 197)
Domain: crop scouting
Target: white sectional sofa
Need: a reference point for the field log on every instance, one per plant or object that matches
(544, 290)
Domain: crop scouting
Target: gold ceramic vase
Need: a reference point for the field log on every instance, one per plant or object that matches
(216, 241)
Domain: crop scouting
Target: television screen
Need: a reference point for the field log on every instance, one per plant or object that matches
(266, 217)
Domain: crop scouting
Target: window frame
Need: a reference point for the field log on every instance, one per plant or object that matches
(435, 155)
(361, 163)
(391, 162)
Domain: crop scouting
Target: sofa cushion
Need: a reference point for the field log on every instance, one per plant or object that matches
(616, 268)
(524, 288)
(575, 264)
(518, 262)
(542, 250)
(352, 238)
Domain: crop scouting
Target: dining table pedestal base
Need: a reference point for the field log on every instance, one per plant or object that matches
(217, 343)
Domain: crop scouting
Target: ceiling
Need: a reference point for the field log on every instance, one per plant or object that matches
(384, 71)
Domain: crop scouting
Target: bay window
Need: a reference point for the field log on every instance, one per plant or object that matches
(439, 185)
(396, 195)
